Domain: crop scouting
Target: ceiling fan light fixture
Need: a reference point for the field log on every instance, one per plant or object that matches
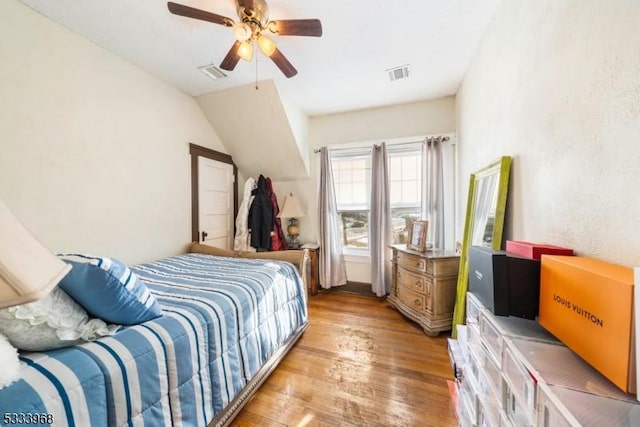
(245, 51)
(267, 46)
(242, 31)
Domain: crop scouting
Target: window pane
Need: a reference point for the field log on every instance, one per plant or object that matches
(410, 192)
(395, 192)
(400, 220)
(355, 228)
(395, 168)
(410, 168)
(359, 195)
(353, 190)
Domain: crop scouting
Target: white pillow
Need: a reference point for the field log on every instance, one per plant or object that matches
(9, 363)
(52, 322)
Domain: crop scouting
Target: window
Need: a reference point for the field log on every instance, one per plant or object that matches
(352, 178)
(405, 189)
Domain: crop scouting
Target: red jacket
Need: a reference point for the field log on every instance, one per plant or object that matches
(278, 241)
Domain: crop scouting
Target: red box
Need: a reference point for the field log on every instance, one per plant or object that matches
(535, 250)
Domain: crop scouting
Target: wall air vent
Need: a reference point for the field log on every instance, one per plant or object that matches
(398, 73)
(212, 71)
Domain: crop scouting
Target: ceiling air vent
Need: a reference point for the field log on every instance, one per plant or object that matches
(398, 73)
(212, 71)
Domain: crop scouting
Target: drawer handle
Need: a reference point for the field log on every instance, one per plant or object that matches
(418, 283)
(416, 302)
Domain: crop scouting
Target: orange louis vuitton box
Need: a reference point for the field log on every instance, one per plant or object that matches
(588, 305)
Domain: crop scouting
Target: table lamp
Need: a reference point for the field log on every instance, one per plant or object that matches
(292, 210)
(28, 270)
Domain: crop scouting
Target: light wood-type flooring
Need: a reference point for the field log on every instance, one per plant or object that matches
(359, 363)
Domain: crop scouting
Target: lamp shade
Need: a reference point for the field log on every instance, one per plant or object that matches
(245, 51)
(28, 270)
(291, 208)
(267, 46)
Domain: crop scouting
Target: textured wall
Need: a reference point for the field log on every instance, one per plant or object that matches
(93, 151)
(556, 85)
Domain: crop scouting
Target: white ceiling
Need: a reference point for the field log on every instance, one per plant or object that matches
(341, 71)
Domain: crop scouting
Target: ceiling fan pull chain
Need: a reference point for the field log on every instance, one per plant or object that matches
(256, 72)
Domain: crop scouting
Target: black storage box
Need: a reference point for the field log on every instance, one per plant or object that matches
(507, 285)
(524, 286)
(488, 279)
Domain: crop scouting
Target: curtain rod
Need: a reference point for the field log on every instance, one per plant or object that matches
(426, 139)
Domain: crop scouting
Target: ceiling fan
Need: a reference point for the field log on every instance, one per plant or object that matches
(253, 22)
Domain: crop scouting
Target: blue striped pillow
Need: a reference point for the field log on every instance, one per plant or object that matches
(108, 289)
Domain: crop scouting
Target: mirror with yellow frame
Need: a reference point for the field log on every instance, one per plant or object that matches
(484, 222)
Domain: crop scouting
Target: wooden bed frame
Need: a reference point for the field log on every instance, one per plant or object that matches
(299, 258)
(234, 407)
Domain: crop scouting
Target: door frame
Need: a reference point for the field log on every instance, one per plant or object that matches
(198, 151)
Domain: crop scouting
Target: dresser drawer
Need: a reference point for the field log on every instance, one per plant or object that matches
(441, 292)
(411, 299)
(414, 262)
(443, 266)
(411, 280)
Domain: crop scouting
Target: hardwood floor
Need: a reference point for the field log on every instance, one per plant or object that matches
(360, 363)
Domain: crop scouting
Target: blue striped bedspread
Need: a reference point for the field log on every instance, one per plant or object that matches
(222, 319)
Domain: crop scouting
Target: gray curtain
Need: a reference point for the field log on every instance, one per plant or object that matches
(434, 195)
(332, 268)
(380, 222)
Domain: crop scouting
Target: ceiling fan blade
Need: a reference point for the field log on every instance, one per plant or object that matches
(283, 63)
(231, 60)
(190, 12)
(296, 27)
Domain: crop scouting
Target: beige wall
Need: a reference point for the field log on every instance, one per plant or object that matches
(94, 155)
(555, 84)
(377, 124)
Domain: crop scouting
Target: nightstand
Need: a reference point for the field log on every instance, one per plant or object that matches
(314, 271)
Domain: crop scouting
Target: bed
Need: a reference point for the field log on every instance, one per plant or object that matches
(226, 323)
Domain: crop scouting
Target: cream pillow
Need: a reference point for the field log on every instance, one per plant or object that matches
(52, 322)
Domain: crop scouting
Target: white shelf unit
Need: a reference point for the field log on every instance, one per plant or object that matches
(511, 372)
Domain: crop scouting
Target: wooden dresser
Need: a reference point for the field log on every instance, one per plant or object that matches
(423, 286)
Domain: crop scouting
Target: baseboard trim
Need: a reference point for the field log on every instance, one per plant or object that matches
(361, 288)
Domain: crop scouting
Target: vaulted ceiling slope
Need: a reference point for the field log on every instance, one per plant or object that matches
(346, 69)
(263, 132)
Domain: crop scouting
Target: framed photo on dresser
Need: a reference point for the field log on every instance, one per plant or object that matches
(418, 235)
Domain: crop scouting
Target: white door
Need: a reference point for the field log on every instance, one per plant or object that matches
(215, 203)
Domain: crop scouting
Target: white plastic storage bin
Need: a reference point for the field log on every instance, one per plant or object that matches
(468, 395)
(489, 414)
(491, 335)
(474, 307)
(489, 404)
(590, 410)
(493, 373)
(551, 412)
(504, 420)
(464, 417)
(516, 413)
(521, 382)
(473, 338)
(524, 328)
(474, 365)
(558, 365)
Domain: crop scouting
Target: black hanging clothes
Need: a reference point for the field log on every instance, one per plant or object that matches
(261, 217)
